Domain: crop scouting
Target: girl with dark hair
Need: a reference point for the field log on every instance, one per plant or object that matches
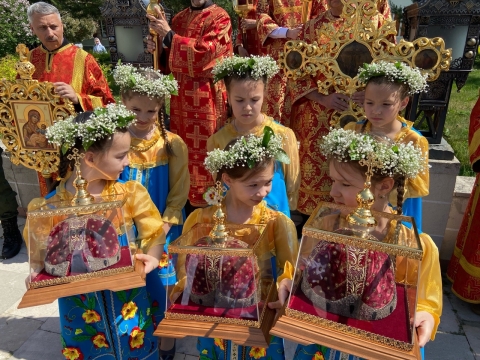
(159, 161)
(106, 323)
(394, 165)
(246, 166)
(388, 86)
(245, 80)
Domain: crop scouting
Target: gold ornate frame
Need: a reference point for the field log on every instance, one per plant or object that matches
(358, 31)
(20, 99)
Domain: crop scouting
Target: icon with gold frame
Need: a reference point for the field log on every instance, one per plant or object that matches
(27, 108)
(358, 40)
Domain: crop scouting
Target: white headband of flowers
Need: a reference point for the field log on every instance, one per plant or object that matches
(395, 72)
(103, 122)
(395, 158)
(145, 81)
(248, 150)
(256, 66)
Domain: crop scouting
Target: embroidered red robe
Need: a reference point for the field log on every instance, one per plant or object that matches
(250, 39)
(464, 267)
(272, 14)
(74, 66)
(201, 38)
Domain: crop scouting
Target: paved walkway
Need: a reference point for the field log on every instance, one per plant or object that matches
(33, 333)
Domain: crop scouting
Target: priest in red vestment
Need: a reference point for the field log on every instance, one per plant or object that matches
(311, 111)
(247, 42)
(277, 22)
(198, 37)
(75, 73)
(464, 267)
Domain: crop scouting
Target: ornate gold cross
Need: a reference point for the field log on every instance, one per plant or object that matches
(338, 52)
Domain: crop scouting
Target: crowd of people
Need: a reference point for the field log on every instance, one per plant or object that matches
(238, 120)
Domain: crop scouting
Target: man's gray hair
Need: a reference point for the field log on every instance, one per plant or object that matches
(41, 8)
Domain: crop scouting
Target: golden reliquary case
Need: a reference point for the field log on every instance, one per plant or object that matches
(79, 245)
(362, 35)
(223, 286)
(355, 290)
(27, 108)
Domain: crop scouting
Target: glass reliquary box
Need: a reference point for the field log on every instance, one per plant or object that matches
(79, 246)
(225, 282)
(355, 287)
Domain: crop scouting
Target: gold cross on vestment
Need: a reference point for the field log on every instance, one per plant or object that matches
(196, 136)
(197, 94)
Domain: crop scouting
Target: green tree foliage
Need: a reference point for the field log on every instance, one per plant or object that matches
(77, 29)
(7, 67)
(80, 9)
(14, 26)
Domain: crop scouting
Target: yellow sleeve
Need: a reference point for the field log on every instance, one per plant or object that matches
(292, 170)
(179, 181)
(419, 186)
(145, 215)
(429, 289)
(211, 143)
(284, 245)
(192, 219)
(351, 126)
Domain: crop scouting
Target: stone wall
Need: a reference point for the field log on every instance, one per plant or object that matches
(461, 195)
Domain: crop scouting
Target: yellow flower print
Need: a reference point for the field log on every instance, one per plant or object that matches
(257, 352)
(204, 351)
(163, 263)
(318, 356)
(136, 338)
(129, 310)
(78, 331)
(99, 341)
(72, 353)
(91, 316)
(219, 342)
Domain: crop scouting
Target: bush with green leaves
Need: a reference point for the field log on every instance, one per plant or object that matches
(77, 29)
(7, 67)
(14, 25)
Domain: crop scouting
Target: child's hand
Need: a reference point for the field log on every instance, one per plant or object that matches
(424, 322)
(283, 292)
(149, 261)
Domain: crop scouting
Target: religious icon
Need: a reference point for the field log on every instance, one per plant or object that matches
(28, 108)
(33, 118)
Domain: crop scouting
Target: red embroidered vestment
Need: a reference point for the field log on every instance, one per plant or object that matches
(201, 38)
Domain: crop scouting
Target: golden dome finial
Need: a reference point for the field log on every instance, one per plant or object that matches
(24, 68)
(362, 216)
(219, 232)
(82, 196)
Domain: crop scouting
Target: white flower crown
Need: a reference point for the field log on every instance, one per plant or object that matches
(129, 77)
(256, 66)
(103, 122)
(394, 158)
(248, 150)
(396, 72)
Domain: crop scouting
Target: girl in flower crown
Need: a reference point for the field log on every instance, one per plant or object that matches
(388, 86)
(159, 161)
(245, 80)
(247, 167)
(394, 164)
(105, 323)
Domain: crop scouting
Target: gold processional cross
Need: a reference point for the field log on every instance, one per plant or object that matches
(356, 41)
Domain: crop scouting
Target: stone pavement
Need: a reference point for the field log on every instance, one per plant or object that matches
(33, 333)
